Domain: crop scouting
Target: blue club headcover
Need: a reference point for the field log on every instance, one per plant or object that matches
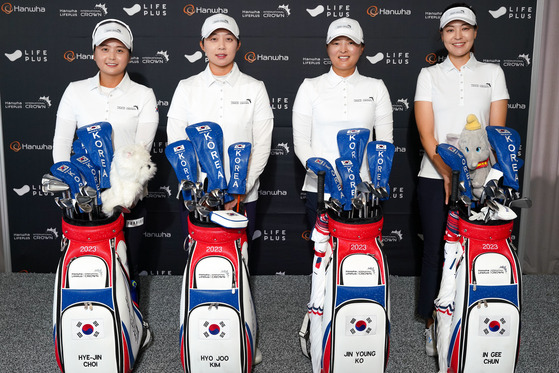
(454, 159)
(506, 142)
(182, 157)
(332, 184)
(349, 173)
(69, 174)
(89, 172)
(380, 155)
(207, 138)
(96, 139)
(239, 156)
(78, 148)
(352, 143)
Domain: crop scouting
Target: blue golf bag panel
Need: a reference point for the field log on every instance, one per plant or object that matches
(218, 319)
(485, 329)
(356, 321)
(96, 325)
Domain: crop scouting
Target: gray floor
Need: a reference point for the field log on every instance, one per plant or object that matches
(26, 324)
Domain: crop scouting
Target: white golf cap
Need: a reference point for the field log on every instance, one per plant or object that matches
(112, 29)
(345, 27)
(460, 13)
(218, 21)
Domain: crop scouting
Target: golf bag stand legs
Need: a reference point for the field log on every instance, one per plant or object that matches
(96, 325)
(356, 321)
(218, 320)
(485, 330)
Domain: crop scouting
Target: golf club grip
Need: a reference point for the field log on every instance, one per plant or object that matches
(455, 181)
(320, 190)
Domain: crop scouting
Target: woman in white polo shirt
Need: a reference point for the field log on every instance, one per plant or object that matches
(110, 96)
(446, 93)
(341, 98)
(215, 95)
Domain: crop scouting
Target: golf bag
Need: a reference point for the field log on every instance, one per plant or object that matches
(218, 320)
(485, 328)
(97, 326)
(356, 319)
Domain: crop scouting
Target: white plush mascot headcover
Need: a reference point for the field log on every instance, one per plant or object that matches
(131, 169)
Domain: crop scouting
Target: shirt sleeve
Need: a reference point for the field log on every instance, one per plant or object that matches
(176, 116)
(499, 91)
(147, 121)
(302, 124)
(423, 89)
(65, 128)
(384, 121)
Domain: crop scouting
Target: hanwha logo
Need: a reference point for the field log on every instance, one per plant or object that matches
(7, 8)
(189, 9)
(15, 146)
(69, 56)
(250, 57)
(306, 235)
(431, 58)
(372, 11)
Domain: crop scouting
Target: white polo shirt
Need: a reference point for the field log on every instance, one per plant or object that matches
(130, 107)
(329, 103)
(239, 104)
(455, 94)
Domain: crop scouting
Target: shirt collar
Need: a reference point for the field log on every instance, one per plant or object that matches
(471, 64)
(231, 78)
(334, 79)
(123, 85)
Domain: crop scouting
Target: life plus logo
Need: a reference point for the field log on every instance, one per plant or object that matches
(512, 12)
(330, 11)
(390, 58)
(28, 55)
(147, 9)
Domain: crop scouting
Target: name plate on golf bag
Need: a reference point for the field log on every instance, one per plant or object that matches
(218, 318)
(96, 325)
(485, 329)
(356, 320)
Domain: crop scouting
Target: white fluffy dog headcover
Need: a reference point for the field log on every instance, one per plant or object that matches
(131, 169)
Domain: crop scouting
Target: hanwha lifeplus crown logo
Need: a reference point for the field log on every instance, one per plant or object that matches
(7, 8)
(250, 57)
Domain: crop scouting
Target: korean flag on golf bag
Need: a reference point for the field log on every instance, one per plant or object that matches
(97, 326)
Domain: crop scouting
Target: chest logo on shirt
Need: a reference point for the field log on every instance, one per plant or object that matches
(248, 101)
(480, 85)
(366, 99)
(128, 108)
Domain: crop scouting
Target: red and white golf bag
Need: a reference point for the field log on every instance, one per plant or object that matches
(485, 327)
(97, 327)
(218, 319)
(349, 311)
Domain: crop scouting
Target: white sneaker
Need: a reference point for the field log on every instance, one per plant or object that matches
(257, 357)
(430, 342)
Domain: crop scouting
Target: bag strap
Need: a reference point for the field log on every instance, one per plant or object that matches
(304, 335)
